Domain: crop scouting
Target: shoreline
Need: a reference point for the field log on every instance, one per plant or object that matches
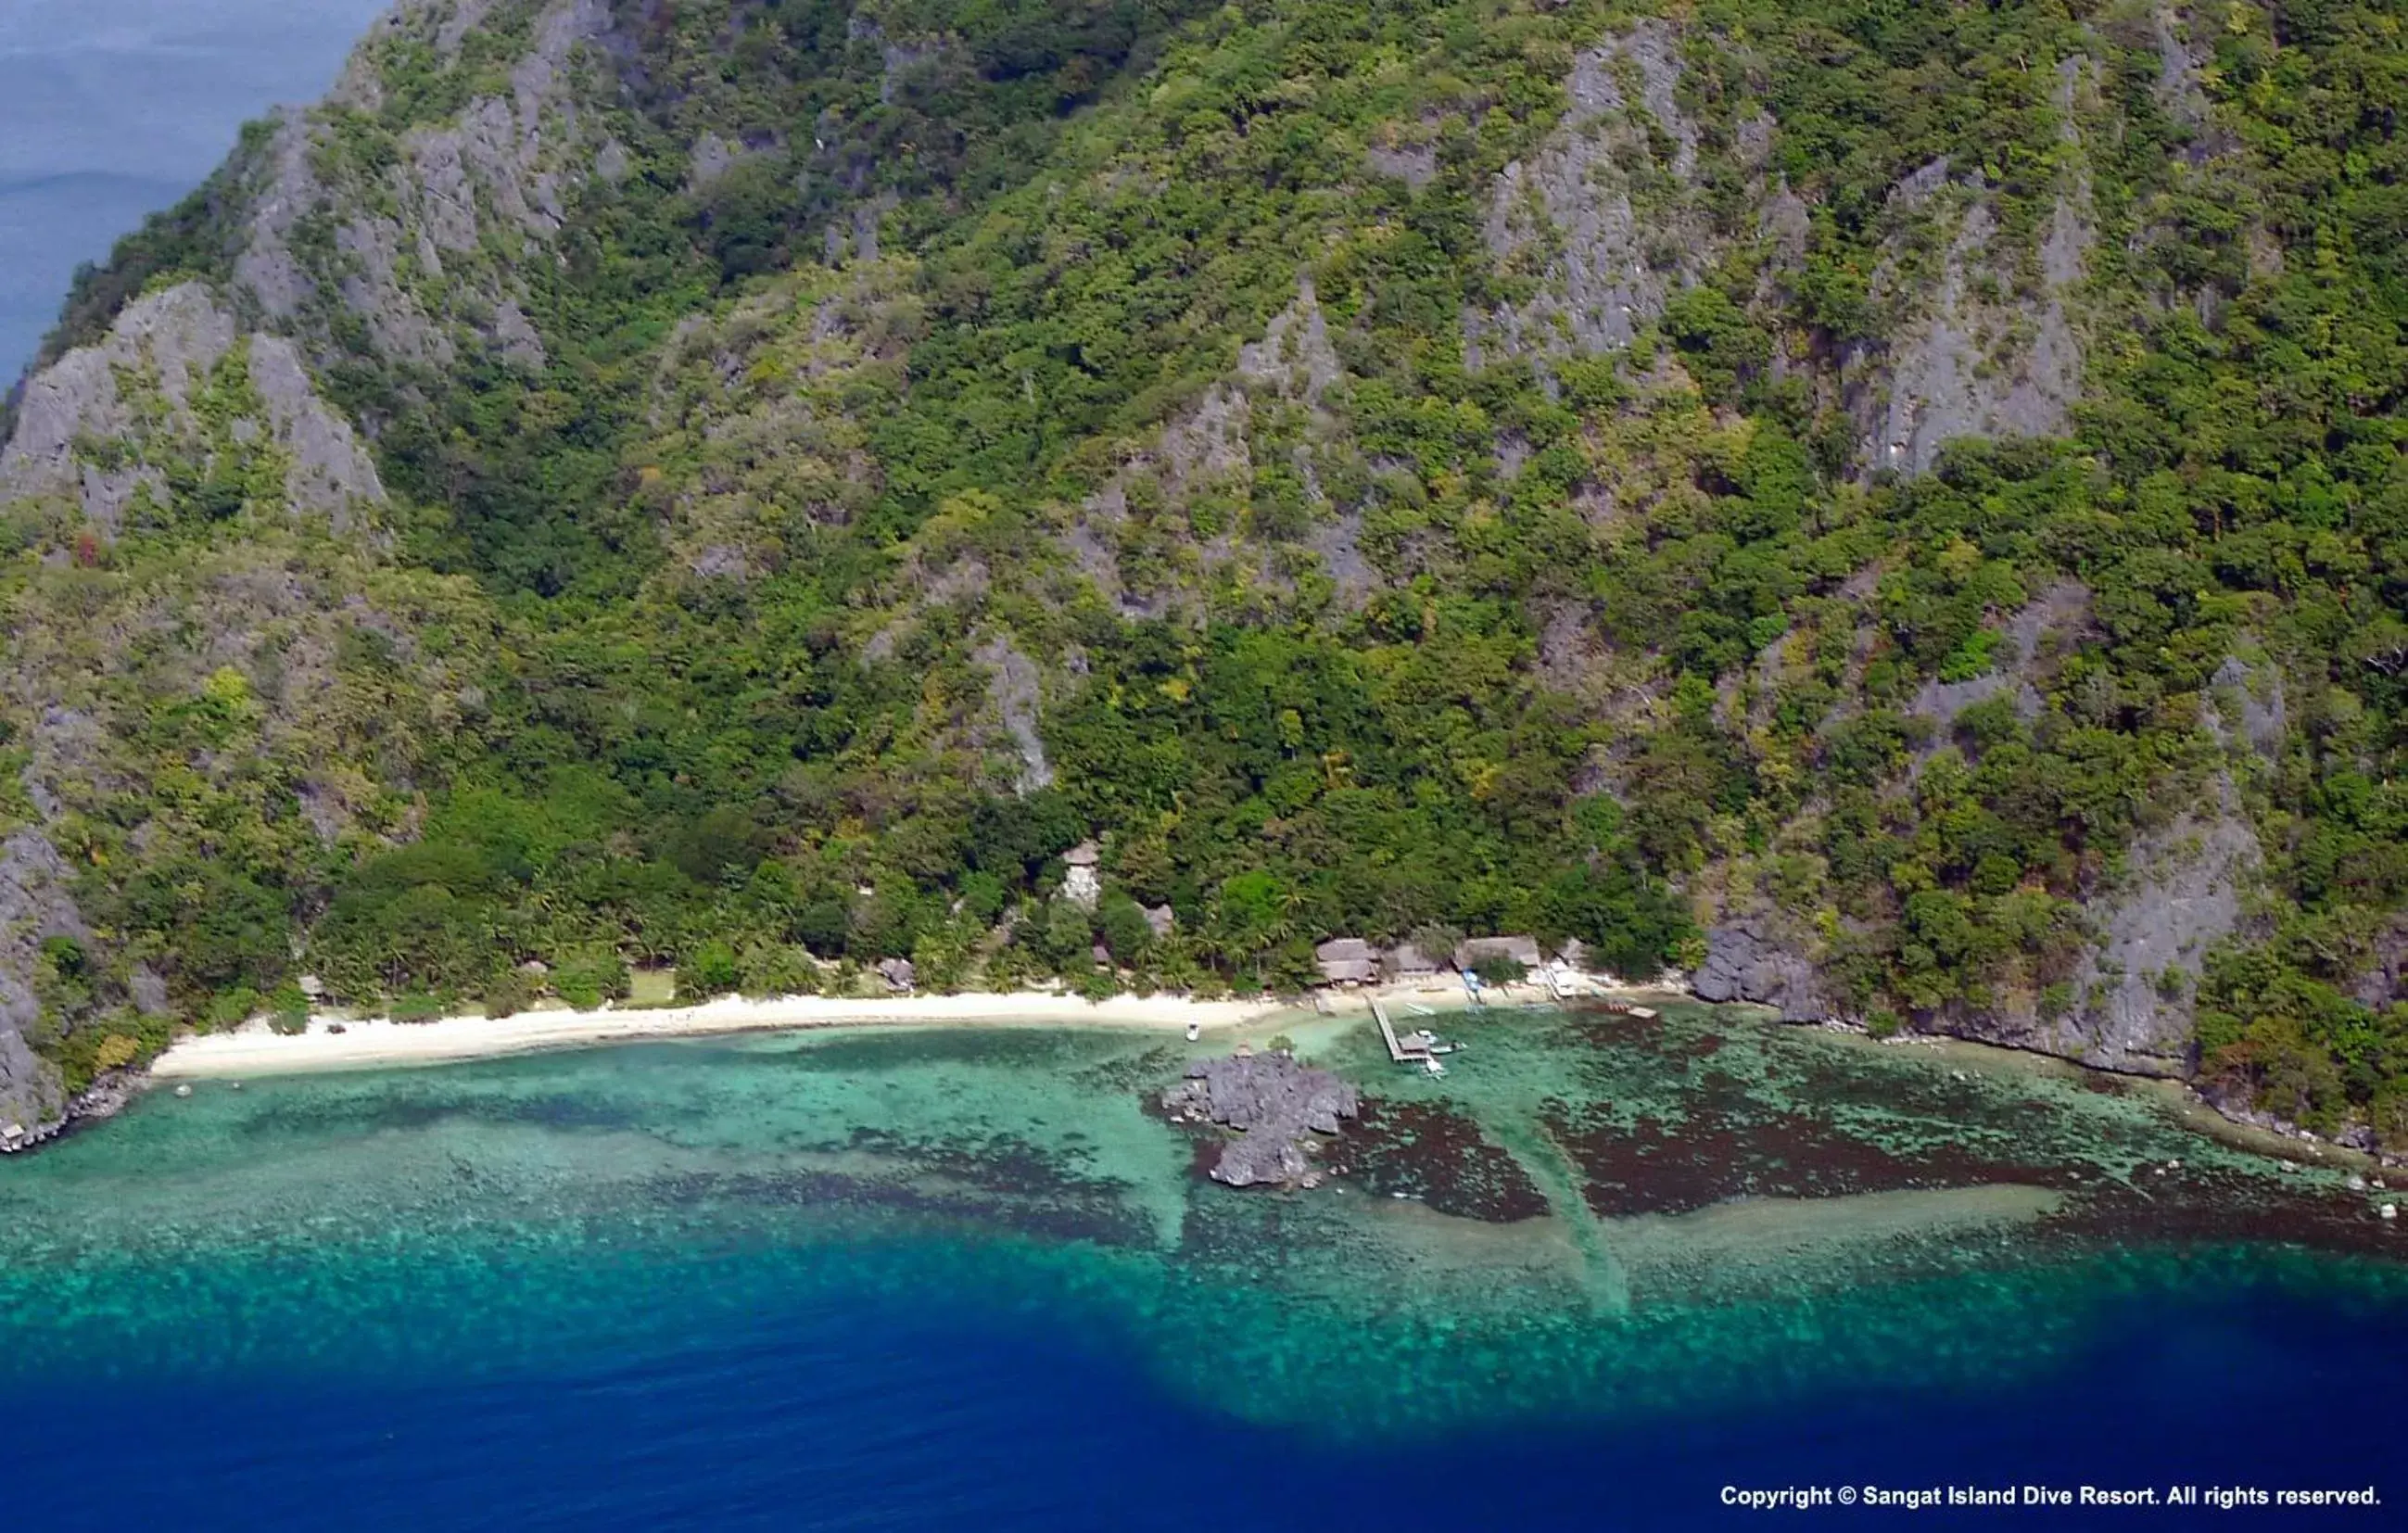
(377, 1043)
(373, 1043)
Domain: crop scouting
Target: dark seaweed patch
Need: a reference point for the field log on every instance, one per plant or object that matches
(1428, 1152)
(1730, 1145)
(2192, 1207)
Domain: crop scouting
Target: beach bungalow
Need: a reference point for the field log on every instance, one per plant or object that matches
(898, 973)
(1081, 884)
(1347, 960)
(1573, 954)
(1406, 961)
(1471, 952)
(1160, 918)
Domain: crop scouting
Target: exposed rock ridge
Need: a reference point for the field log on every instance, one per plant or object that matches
(2134, 993)
(1140, 530)
(1751, 959)
(34, 905)
(427, 256)
(1988, 357)
(1564, 220)
(97, 424)
(1012, 692)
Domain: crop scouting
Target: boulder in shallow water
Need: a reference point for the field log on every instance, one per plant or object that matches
(1273, 1102)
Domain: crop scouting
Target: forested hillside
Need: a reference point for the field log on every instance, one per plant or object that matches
(1896, 508)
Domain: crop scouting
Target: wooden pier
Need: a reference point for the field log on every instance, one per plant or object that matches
(1402, 1052)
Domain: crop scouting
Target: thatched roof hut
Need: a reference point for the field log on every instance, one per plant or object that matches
(1524, 951)
(1347, 960)
(1406, 961)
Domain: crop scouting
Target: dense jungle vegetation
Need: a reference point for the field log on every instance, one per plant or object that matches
(696, 640)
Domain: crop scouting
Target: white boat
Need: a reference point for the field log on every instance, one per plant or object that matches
(1195, 1031)
(1433, 1067)
(1419, 1009)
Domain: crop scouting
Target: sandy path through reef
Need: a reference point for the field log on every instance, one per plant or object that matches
(253, 1048)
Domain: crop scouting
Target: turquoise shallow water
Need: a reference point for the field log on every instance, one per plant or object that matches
(1719, 1222)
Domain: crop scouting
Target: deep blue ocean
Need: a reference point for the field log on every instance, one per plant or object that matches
(944, 1281)
(849, 1416)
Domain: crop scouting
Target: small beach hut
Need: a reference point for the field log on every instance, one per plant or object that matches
(1347, 960)
(1473, 952)
(1160, 917)
(1522, 950)
(1408, 962)
(1082, 884)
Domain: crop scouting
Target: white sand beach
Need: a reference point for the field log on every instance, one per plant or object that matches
(253, 1048)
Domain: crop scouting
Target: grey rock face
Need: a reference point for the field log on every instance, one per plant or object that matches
(709, 160)
(2254, 700)
(34, 905)
(2385, 979)
(496, 172)
(1982, 359)
(68, 745)
(372, 289)
(2038, 631)
(1747, 960)
(149, 992)
(285, 191)
(2180, 59)
(1208, 448)
(1950, 376)
(447, 203)
(1415, 165)
(1295, 357)
(2180, 894)
(331, 471)
(1012, 690)
(170, 341)
(1610, 270)
(516, 334)
(1273, 1102)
